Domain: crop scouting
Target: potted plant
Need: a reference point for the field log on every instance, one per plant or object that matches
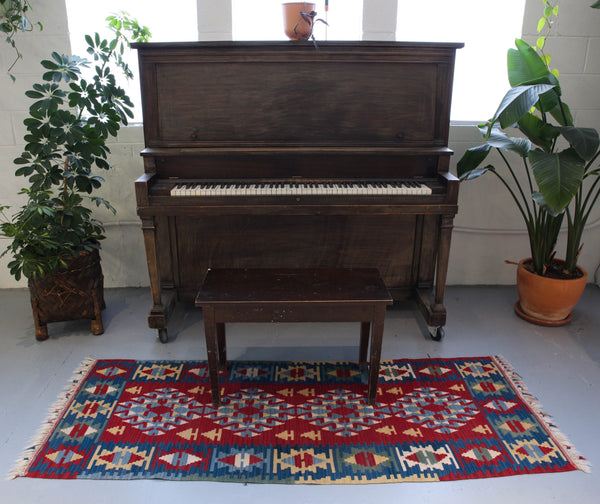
(55, 237)
(13, 19)
(551, 173)
(299, 20)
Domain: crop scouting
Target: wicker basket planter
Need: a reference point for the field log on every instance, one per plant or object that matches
(74, 293)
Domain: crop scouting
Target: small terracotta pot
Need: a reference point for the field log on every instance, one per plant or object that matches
(294, 25)
(547, 301)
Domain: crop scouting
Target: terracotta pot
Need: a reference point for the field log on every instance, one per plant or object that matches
(294, 25)
(547, 301)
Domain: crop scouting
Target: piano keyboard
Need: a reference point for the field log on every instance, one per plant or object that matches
(301, 189)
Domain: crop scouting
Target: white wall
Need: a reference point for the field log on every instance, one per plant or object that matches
(488, 229)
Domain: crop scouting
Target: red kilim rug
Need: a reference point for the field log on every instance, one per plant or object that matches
(298, 422)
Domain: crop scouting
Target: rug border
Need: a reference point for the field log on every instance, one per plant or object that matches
(62, 403)
(55, 412)
(544, 418)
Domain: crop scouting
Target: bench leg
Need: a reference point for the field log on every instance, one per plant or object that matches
(365, 330)
(376, 339)
(212, 356)
(221, 345)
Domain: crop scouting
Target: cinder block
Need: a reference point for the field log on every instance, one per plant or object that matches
(53, 16)
(577, 19)
(588, 118)
(12, 97)
(568, 53)
(7, 137)
(580, 91)
(592, 63)
(132, 134)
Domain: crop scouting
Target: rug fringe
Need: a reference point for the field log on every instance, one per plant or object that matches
(54, 414)
(567, 447)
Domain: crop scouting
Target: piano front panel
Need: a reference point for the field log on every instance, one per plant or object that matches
(291, 241)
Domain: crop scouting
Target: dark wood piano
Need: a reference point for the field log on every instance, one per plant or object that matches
(284, 155)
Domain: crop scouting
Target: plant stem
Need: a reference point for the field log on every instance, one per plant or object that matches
(514, 177)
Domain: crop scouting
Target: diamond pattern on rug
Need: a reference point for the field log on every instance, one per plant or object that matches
(156, 413)
(299, 422)
(434, 409)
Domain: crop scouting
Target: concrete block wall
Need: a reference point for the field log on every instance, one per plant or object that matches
(488, 228)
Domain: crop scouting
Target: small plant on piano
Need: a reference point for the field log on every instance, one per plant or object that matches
(309, 18)
(70, 121)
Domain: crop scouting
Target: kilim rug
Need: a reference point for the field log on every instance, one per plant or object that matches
(298, 422)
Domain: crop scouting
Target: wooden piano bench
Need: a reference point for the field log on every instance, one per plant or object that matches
(293, 295)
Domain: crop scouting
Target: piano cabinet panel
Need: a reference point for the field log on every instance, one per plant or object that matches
(270, 104)
(388, 243)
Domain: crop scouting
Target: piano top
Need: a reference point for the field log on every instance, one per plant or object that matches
(294, 45)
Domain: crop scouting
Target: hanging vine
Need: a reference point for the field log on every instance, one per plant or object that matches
(14, 18)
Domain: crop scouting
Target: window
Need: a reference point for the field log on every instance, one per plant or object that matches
(488, 31)
(90, 17)
(263, 20)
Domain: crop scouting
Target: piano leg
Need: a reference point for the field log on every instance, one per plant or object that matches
(435, 312)
(162, 302)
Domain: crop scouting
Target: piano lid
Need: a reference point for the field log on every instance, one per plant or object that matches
(236, 94)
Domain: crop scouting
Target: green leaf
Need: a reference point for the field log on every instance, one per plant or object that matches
(525, 66)
(517, 102)
(539, 132)
(585, 141)
(49, 64)
(467, 167)
(562, 113)
(538, 197)
(558, 176)
(540, 42)
(546, 58)
(34, 94)
(501, 141)
(541, 24)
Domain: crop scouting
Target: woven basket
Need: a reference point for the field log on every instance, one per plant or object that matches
(73, 293)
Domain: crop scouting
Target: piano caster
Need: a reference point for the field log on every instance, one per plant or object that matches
(437, 333)
(163, 336)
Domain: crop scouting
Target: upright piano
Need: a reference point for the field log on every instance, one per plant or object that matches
(287, 155)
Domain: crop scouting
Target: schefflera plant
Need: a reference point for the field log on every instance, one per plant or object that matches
(68, 127)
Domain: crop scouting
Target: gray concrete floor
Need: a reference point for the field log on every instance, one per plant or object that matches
(561, 366)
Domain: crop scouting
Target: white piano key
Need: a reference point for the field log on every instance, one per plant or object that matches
(301, 189)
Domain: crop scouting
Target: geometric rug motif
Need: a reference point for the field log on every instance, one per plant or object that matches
(298, 422)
